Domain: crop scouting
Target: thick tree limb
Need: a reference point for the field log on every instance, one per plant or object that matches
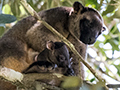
(28, 81)
(70, 45)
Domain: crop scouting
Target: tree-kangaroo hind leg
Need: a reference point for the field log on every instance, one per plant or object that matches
(14, 54)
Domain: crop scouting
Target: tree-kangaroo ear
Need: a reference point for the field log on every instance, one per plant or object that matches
(50, 45)
(78, 7)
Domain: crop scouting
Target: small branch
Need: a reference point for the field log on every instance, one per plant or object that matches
(30, 9)
(97, 63)
(113, 85)
(116, 75)
(101, 2)
(70, 45)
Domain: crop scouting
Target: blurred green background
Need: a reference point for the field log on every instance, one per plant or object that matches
(103, 56)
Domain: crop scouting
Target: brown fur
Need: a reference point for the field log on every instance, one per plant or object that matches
(28, 37)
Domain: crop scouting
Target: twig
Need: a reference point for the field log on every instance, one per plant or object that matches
(113, 85)
(101, 2)
(97, 63)
(70, 45)
(116, 75)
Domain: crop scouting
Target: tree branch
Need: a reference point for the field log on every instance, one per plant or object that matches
(27, 81)
(113, 85)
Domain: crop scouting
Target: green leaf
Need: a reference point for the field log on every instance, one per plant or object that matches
(118, 68)
(99, 86)
(96, 44)
(71, 82)
(93, 3)
(90, 86)
(93, 79)
(15, 8)
(49, 3)
(114, 30)
(6, 18)
(117, 13)
(110, 7)
(65, 3)
(2, 30)
(114, 44)
(6, 9)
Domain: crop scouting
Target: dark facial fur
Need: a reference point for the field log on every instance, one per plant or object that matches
(56, 53)
(90, 24)
(90, 28)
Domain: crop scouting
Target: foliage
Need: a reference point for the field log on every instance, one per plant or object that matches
(106, 49)
(6, 18)
(71, 82)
